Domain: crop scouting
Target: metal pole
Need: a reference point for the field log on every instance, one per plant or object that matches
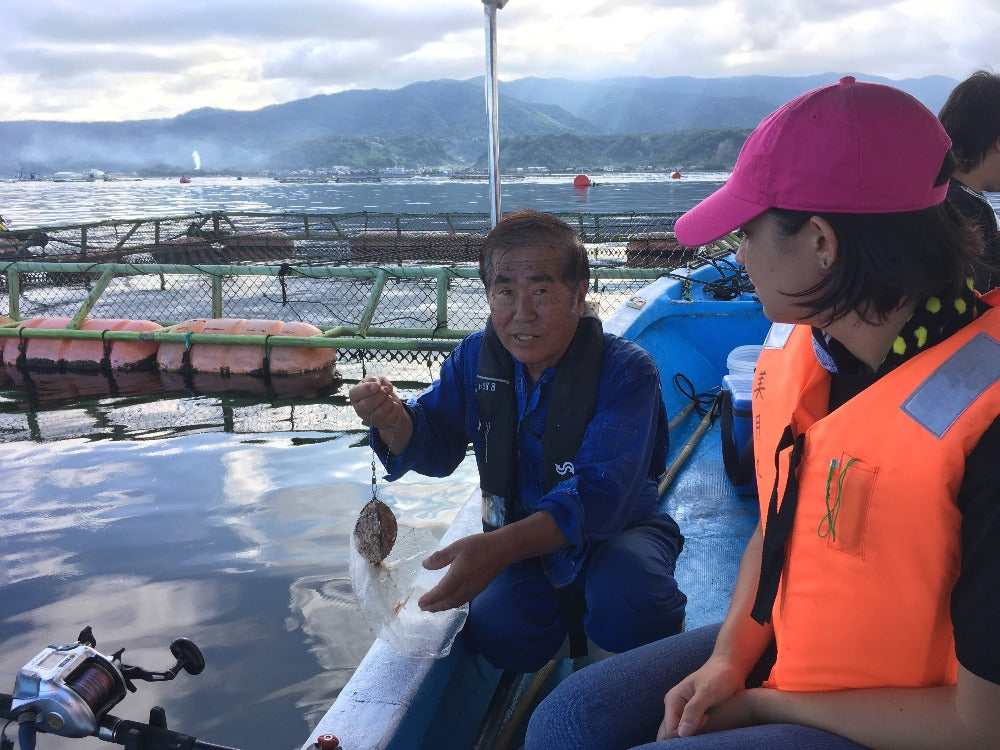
(490, 8)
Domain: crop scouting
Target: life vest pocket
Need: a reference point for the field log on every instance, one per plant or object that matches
(849, 489)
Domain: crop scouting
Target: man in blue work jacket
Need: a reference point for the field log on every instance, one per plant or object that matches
(570, 435)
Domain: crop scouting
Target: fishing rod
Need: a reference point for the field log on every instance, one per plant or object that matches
(69, 690)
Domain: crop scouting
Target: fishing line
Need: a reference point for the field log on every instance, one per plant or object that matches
(96, 686)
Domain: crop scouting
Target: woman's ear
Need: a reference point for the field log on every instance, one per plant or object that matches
(825, 242)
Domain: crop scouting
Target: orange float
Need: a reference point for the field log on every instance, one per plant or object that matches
(82, 354)
(582, 181)
(243, 359)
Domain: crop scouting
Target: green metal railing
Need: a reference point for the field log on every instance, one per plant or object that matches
(369, 282)
(363, 335)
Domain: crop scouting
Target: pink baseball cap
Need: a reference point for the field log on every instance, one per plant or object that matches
(850, 147)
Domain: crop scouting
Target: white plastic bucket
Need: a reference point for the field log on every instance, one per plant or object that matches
(743, 359)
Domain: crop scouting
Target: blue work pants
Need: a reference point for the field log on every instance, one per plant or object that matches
(628, 588)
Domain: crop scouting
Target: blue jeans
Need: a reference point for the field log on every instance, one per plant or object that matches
(627, 585)
(618, 703)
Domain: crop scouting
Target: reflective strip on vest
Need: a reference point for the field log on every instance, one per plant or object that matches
(948, 391)
(777, 335)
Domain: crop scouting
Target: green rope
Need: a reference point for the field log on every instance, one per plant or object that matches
(829, 520)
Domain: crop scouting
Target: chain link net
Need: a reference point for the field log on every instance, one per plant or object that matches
(391, 275)
(316, 268)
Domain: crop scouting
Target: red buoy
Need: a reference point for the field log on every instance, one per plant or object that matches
(675, 176)
(582, 181)
(327, 742)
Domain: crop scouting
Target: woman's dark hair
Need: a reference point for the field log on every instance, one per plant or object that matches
(530, 229)
(971, 115)
(885, 259)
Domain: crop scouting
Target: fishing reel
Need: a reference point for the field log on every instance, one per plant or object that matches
(68, 688)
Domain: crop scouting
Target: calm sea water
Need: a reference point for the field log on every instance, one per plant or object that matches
(32, 204)
(220, 517)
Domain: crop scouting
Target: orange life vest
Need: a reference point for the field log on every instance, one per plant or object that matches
(874, 550)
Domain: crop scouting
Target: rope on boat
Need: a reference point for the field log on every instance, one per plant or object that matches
(503, 697)
(266, 363)
(105, 364)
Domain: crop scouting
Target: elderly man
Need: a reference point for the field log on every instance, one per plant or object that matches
(570, 434)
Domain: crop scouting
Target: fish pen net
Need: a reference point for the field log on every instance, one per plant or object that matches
(360, 272)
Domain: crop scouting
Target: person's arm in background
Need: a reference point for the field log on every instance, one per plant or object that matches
(965, 715)
(954, 717)
(961, 716)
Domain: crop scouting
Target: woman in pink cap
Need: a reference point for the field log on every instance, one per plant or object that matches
(867, 608)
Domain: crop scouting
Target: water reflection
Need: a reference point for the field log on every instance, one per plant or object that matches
(205, 516)
(53, 388)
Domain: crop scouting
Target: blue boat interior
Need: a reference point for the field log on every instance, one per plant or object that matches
(716, 521)
(690, 332)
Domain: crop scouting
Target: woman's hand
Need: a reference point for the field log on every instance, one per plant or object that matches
(709, 699)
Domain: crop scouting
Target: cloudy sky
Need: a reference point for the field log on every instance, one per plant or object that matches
(136, 59)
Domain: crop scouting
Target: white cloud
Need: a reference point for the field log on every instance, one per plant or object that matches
(130, 59)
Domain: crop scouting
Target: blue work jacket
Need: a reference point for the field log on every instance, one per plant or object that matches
(623, 451)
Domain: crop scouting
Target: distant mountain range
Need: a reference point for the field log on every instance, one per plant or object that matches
(555, 124)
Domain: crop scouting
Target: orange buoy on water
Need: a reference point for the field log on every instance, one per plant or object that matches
(82, 354)
(582, 181)
(675, 176)
(244, 359)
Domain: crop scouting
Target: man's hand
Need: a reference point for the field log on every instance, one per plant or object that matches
(373, 400)
(475, 561)
(376, 402)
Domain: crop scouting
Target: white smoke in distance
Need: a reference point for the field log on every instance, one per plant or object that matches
(197, 159)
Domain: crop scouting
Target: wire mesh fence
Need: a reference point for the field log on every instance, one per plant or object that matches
(363, 274)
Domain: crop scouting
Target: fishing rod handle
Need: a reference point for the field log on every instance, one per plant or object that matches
(120, 731)
(149, 737)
